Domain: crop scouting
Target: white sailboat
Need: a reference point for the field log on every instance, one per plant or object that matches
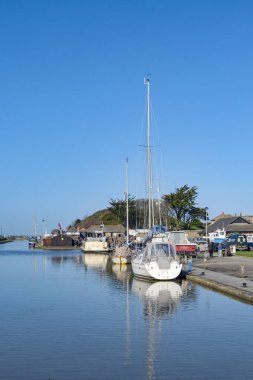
(158, 260)
(123, 254)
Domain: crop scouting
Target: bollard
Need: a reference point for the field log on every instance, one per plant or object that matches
(242, 271)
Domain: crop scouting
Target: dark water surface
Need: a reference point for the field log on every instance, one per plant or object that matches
(65, 315)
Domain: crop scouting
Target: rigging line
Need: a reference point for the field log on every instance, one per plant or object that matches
(139, 154)
(158, 159)
(155, 137)
(152, 195)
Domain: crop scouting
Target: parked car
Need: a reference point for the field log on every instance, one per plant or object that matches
(250, 246)
(250, 242)
(239, 240)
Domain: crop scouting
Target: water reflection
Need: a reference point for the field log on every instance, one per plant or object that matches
(95, 260)
(123, 273)
(151, 330)
(159, 298)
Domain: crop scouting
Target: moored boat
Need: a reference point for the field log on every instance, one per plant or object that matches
(182, 244)
(32, 242)
(158, 259)
(122, 255)
(96, 244)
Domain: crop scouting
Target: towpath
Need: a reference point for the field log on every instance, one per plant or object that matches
(229, 275)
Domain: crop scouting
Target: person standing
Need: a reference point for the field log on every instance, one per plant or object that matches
(189, 265)
(210, 248)
(220, 250)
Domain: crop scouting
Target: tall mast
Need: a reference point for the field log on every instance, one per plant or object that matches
(147, 82)
(35, 224)
(159, 202)
(127, 216)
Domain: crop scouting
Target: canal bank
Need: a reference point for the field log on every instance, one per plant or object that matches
(230, 275)
(57, 248)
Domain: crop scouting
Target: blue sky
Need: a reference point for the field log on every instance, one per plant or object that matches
(73, 101)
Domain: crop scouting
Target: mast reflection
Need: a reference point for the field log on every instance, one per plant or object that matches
(159, 299)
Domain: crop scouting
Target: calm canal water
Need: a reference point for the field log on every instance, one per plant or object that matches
(65, 315)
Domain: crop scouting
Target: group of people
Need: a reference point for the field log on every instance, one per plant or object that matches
(211, 249)
(220, 249)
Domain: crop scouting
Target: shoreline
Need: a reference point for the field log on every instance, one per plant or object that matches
(63, 248)
(6, 241)
(232, 276)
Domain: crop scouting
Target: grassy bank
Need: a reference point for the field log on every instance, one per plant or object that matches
(5, 241)
(244, 253)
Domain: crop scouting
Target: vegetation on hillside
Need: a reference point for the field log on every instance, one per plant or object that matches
(4, 239)
(178, 210)
(103, 216)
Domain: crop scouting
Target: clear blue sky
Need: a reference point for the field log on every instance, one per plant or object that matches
(72, 101)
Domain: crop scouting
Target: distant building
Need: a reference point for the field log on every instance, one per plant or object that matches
(222, 216)
(231, 224)
(249, 218)
(138, 233)
(112, 231)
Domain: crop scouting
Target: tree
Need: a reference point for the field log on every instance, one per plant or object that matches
(76, 222)
(182, 209)
(118, 208)
(138, 212)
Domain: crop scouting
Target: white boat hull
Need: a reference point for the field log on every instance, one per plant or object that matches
(151, 270)
(122, 255)
(98, 247)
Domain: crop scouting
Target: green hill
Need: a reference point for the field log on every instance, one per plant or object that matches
(103, 216)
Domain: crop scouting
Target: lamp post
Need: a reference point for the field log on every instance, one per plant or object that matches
(43, 221)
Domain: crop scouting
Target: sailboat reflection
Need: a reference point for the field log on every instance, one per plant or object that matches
(160, 300)
(95, 260)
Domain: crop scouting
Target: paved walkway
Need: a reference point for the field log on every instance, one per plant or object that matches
(230, 275)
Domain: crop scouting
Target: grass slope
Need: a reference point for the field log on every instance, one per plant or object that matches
(244, 253)
(103, 216)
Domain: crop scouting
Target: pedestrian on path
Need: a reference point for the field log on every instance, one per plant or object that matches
(210, 248)
(220, 250)
(189, 265)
